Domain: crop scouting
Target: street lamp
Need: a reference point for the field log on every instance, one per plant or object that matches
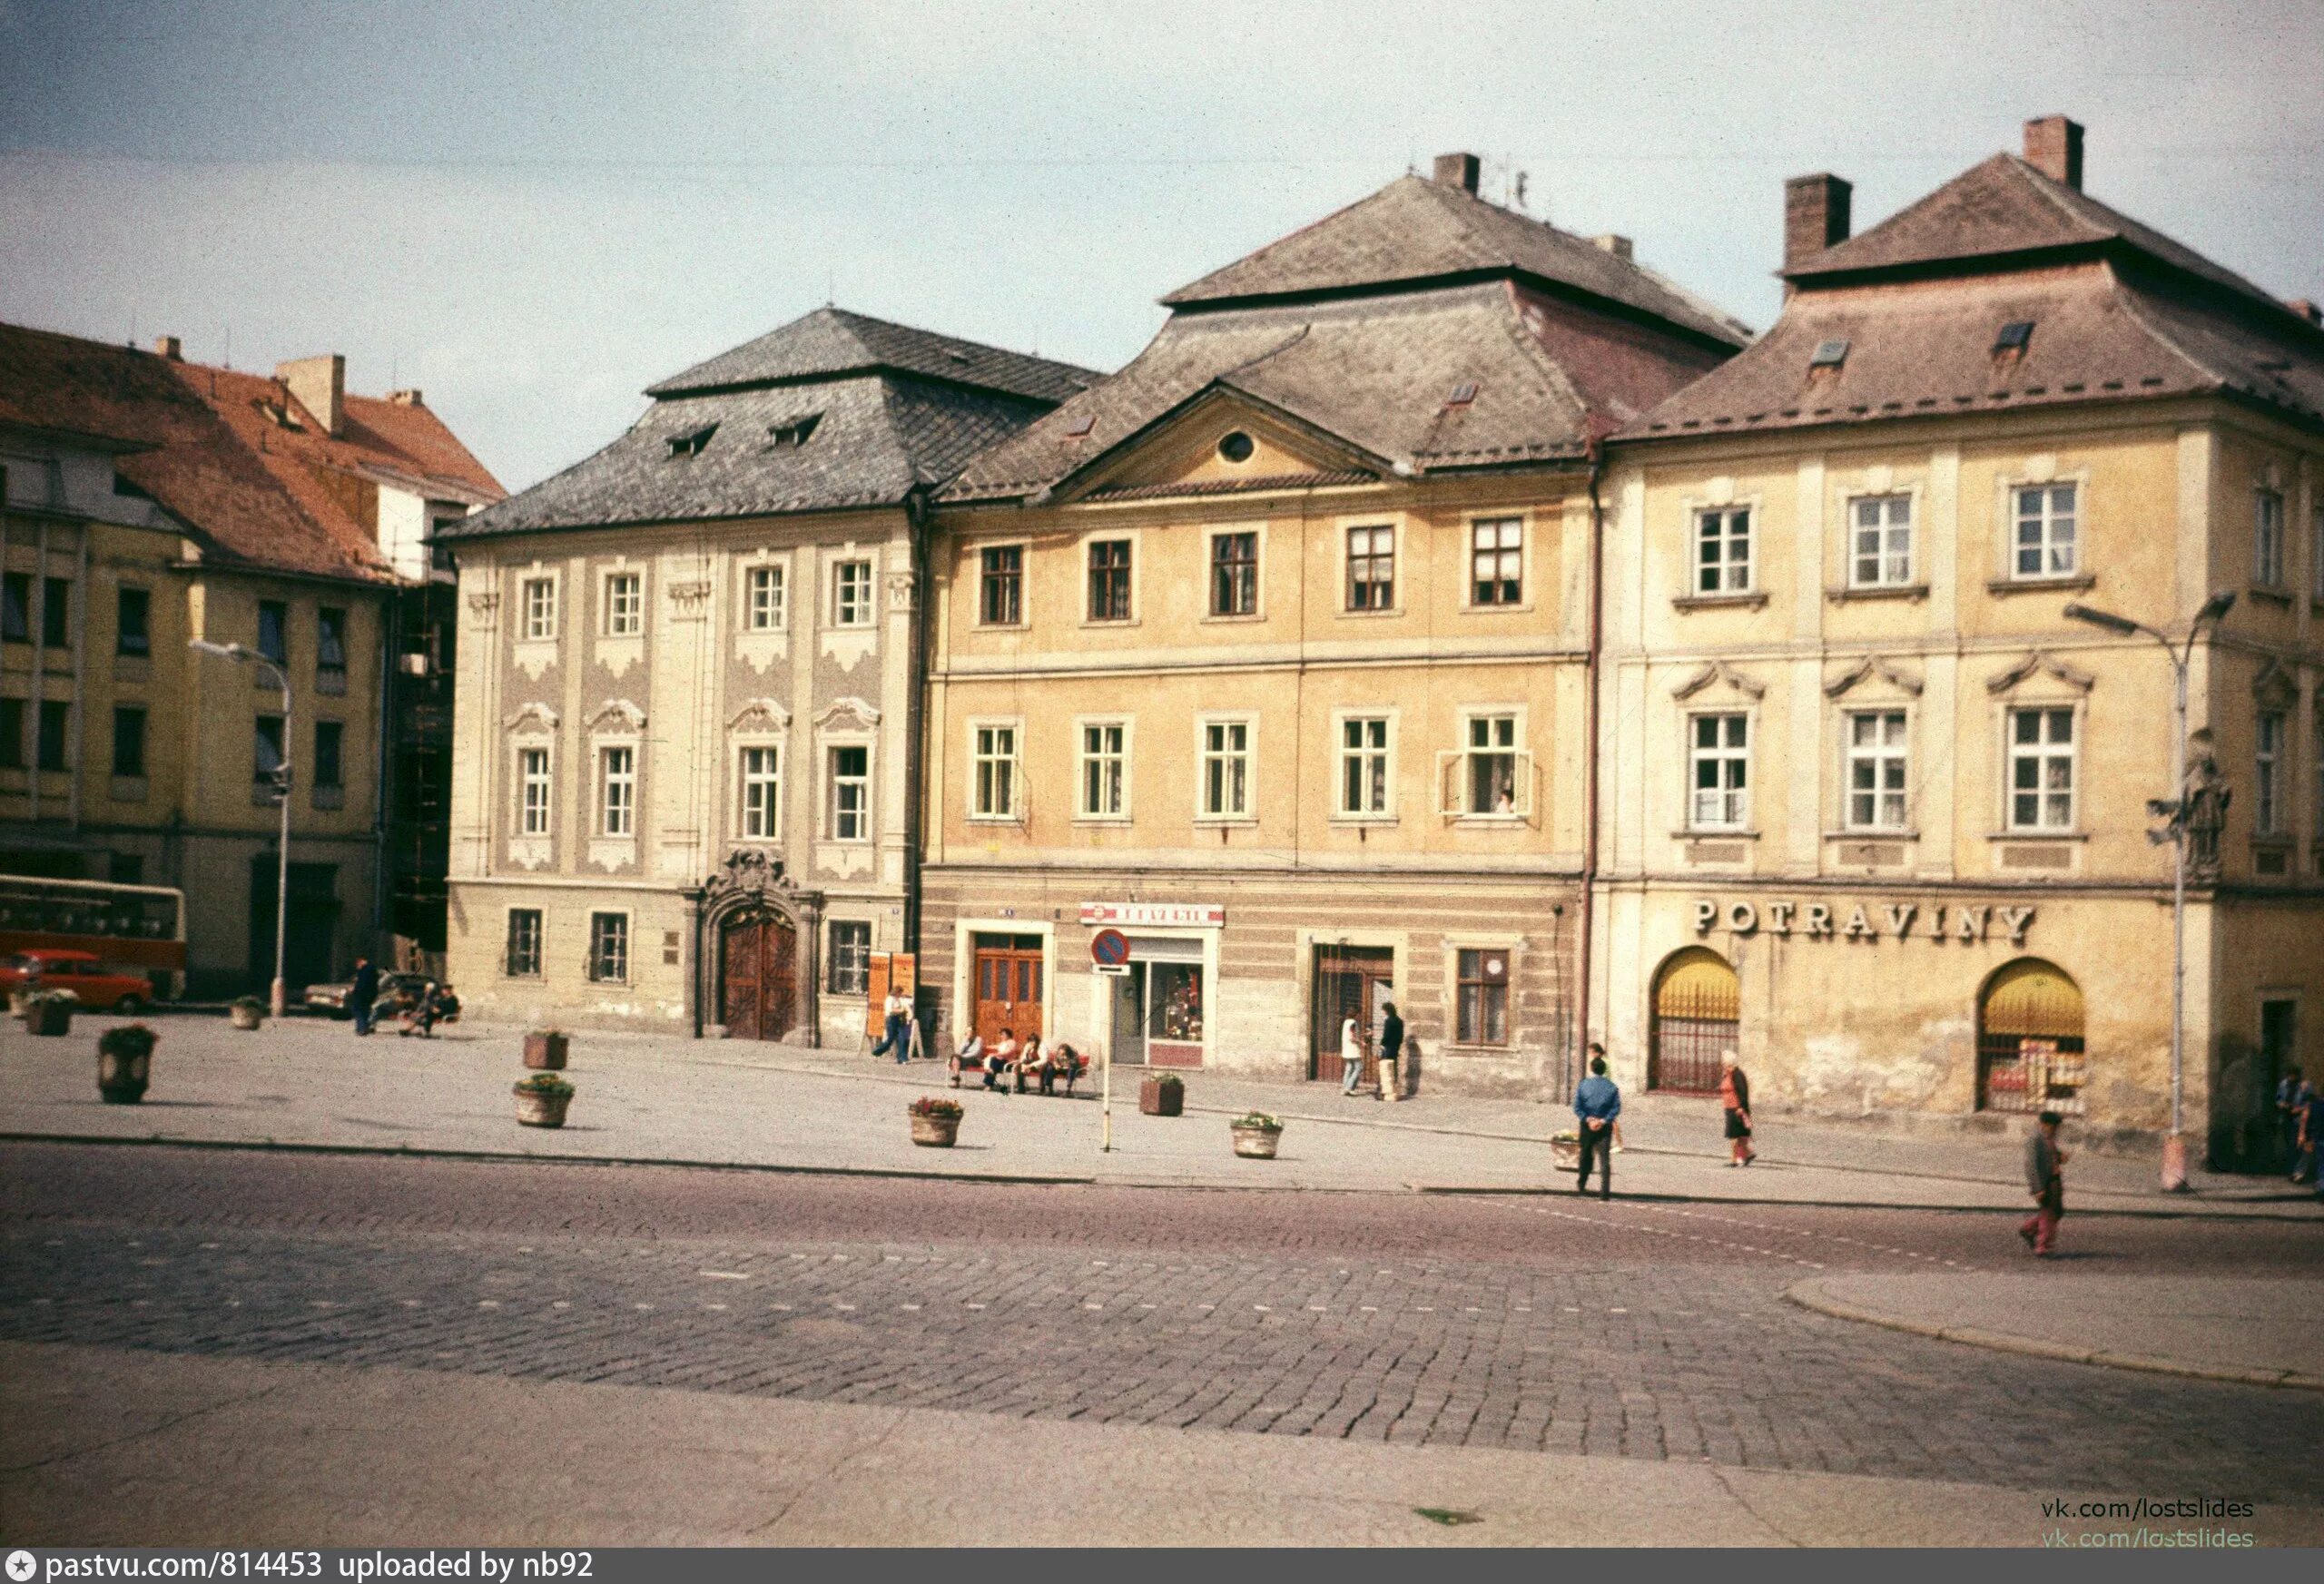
(2174, 808)
(242, 654)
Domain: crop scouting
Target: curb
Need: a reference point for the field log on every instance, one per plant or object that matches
(1953, 1208)
(1809, 1295)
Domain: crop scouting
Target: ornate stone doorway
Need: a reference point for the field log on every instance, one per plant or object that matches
(758, 953)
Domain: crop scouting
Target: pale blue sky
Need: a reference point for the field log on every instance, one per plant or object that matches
(531, 210)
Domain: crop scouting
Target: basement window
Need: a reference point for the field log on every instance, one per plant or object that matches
(792, 432)
(1829, 355)
(2013, 337)
(691, 445)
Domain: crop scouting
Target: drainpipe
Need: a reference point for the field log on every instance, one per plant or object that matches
(919, 516)
(1584, 941)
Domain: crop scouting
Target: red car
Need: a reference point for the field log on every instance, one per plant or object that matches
(97, 988)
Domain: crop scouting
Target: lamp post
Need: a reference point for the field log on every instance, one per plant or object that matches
(2174, 808)
(242, 654)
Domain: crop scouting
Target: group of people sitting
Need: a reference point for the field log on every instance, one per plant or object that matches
(1029, 1061)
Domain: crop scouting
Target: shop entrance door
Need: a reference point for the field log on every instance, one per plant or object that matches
(1351, 982)
(1129, 1015)
(1008, 969)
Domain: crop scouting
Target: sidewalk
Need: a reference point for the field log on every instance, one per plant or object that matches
(310, 1083)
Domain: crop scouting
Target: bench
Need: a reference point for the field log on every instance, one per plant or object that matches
(1071, 1067)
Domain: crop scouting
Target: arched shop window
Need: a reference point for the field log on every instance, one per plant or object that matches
(1697, 1013)
(2029, 1040)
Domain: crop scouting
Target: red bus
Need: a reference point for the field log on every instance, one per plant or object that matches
(140, 928)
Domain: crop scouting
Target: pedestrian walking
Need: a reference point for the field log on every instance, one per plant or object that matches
(1351, 1058)
(361, 991)
(1597, 1102)
(2292, 1094)
(2311, 1134)
(898, 1035)
(1391, 1054)
(2045, 1177)
(1735, 1095)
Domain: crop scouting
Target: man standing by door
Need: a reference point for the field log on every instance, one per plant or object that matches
(1596, 1103)
(1392, 1050)
(361, 991)
(1351, 1056)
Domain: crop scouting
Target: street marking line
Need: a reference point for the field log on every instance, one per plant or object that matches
(725, 1275)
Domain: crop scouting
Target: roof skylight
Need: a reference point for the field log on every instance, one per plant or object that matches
(1829, 355)
(2013, 337)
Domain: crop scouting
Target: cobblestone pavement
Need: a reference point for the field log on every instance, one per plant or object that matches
(1624, 1330)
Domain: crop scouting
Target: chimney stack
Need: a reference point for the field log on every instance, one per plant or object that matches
(1457, 170)
(170, 347)
(407, 397)
(2054, 147)
(1620, 246)
(318, 385)
(1815, 215)
(2306, 310)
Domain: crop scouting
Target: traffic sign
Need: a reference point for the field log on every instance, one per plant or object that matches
(1109, 948)
(1117, 970)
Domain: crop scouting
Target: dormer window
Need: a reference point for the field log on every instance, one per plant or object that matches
(2013, 338)
(1829, 355)
(691, 445)
(1462, 394)
(792, 432)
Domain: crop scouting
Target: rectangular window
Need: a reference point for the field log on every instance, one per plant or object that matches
(2041, 770)
(1364, 765)
(1109, 580)
(624, 604)
(1226, 769)
(1723, 551)
(1104, 773)
(2267, 810)
(995, 758)
(1878, 770)
(132, 622)
(609, 948)
(1719, 757)
(851, 794)
(1880, 542)
(2045, 545)
(15, 607)
(266, 757)
(618, 783)
(128, 740)
(1497, 562)
(1371, 569)
(1235, 575)
(540, 608)
(1492, 764)
(850, 952)
(56, 612)
(274, 631)
(762, 793)
(12, 733)
(329, 735)
(523, 959)
(56, 732)
(1000, 590)
(330, 639)
(763, 610)
(852, 593)
(532, 778)
(1484, 1009)
(2267, 539)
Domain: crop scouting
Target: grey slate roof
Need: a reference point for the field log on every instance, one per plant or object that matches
(881, 430)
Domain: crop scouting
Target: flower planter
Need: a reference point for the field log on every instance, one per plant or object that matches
(538, 1108)
(1157, 1098)
(121, 1079)
(545, 1052)
(935, 1132)
(49, 1019)
(1565, 1154)
(1257, 1143)
(245, 1016)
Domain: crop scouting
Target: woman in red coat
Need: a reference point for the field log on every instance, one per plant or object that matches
(1735, 1094)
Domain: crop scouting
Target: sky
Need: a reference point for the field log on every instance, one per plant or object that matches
(533, 211)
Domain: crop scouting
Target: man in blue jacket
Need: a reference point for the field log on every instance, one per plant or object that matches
(1597, 1102)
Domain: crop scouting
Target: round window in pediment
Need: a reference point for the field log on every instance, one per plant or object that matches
(1236, 446)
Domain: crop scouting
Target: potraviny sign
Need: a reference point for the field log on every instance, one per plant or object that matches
(1955, 921)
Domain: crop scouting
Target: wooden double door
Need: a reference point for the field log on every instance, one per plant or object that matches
(758, 986)
(1351, 982)
(1008, 986)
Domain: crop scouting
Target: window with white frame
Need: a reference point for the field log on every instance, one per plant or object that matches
(618, 791)
(1491, 783)
(1719, 756)
(1110, 568)
(1235, 575)
(540, 607)
(993, 756)
(850, 957)
(609, 948)
(1880, 541)
(2268, 784)
(764, 609)
(1226, 769)
(1105, 770)
(1372, 568)
(1723, 550)
(2047, 540)
(524, 956)
(1497, 561)
(2041, 769)
(624, 604)
(849, 818)
(1364, 765)
(1000, 587)
(762, 767)
(852, 593)
(1481, 1010)
(1878, 770)
(2267, 539)
(533, 791)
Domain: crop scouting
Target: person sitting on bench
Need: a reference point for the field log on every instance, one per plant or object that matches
(969, 1058)
(1001, 1059)
(1030, 1061)
(1063, 1060)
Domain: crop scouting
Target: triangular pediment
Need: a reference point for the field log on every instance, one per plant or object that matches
(1192, 446)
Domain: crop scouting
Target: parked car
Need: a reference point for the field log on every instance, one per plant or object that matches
(98, 989)
(333, 1000)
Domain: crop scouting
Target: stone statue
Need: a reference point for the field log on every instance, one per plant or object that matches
(2204, 801)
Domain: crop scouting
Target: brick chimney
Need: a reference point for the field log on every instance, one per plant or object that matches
(318, 385)
(2306, 310)
(1457, 170)
(1620, 246)
(170, 347)
(1815, 215)
(2054, 147)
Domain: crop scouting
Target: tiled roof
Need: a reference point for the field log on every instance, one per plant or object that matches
(879, 430)
(831, 342)
(1414, 230)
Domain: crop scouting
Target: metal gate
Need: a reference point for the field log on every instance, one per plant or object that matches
(1350, 982)
(1698, 1014)
(2030, 1053)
